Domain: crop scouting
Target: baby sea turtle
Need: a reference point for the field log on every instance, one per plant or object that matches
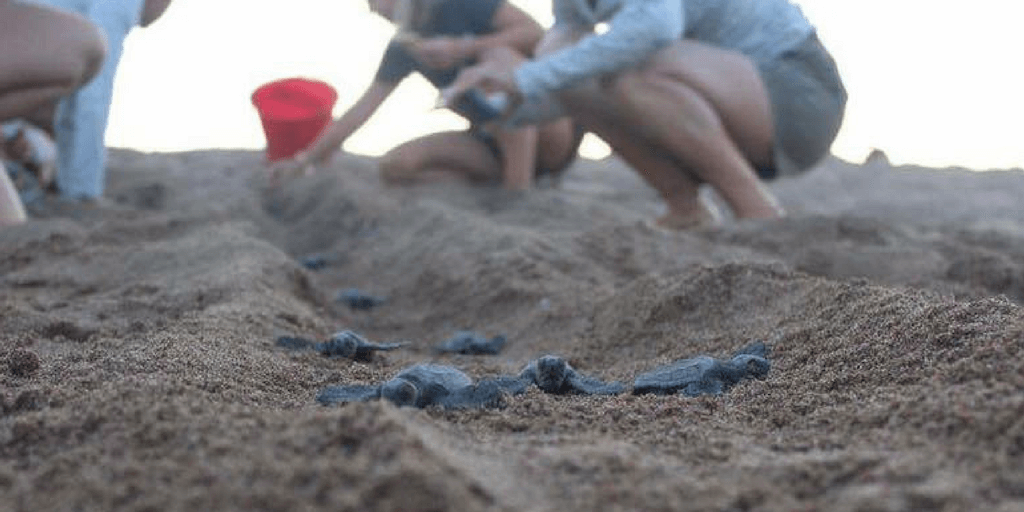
(424, 385)
(705, 375)
(358, 300)
(553, 374)
(315, 261)
(471, 343)
(345, 344)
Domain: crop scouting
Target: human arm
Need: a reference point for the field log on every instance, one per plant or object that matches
(570, 53)
(497, 73)
(152, 10)
(331, 139)
(637, 30)
(339, 131)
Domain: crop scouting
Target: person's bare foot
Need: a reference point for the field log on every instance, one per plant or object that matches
(696, 220)
(693, 215)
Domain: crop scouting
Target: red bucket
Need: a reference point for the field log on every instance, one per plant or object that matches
(293, 111)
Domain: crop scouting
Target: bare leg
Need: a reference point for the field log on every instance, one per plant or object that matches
(708, 111)
(679, 189)
(518, 156)
(11, 210)
(444, 156)
(556, 143)
(65, 52)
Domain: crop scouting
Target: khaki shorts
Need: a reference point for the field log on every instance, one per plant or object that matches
(808, 101)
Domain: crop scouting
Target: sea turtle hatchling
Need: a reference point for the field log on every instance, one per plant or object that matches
(424, 385)
(705, 375)
(358, 300)
(346, 344)
(553, 374)
(471, 343)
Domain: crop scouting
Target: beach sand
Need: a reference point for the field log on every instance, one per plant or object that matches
(138, 369)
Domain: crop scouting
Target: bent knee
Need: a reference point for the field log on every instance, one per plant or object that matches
(94, 55)
(82, 46)
(82, 52)
(92, 51)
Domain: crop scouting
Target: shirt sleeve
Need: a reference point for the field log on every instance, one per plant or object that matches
(636, 31)
(396, 64)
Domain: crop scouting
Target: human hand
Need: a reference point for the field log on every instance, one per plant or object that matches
(38, 154)
(17, 147)
(288, 169)
(439, 52)
(489, 77)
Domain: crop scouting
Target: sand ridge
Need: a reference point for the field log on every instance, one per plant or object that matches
(139, 370)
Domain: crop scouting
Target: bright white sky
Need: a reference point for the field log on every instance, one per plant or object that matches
(931, 82)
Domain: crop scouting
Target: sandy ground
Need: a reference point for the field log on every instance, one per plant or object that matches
(139, 370)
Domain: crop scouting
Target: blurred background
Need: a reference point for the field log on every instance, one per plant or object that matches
(931, 83)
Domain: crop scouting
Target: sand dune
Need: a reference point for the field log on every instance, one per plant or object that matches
(141, 371)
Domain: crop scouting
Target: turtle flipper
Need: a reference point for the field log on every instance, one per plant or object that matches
(294, 343)
(493, 345)
(511, 385)
(489, 393)
(343, 394)
(591, 386)
(703, 387)
(380, 347)
(365, 352)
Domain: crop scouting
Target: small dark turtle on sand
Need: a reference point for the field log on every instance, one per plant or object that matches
(425, 385)
(705, 375)
(315, 261)
(358, 300)
(471, 343)
(553, 374)
(345, 344)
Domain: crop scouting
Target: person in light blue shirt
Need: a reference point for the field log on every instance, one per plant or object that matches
(80, 120)
(688, 92)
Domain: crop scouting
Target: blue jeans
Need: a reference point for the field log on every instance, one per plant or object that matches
(80, 122)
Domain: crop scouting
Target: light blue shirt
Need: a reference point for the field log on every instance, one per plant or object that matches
(759, 29)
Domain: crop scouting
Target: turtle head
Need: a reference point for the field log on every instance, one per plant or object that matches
(551, 373)
(344, 344)
(400, 392)
(755, 366)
